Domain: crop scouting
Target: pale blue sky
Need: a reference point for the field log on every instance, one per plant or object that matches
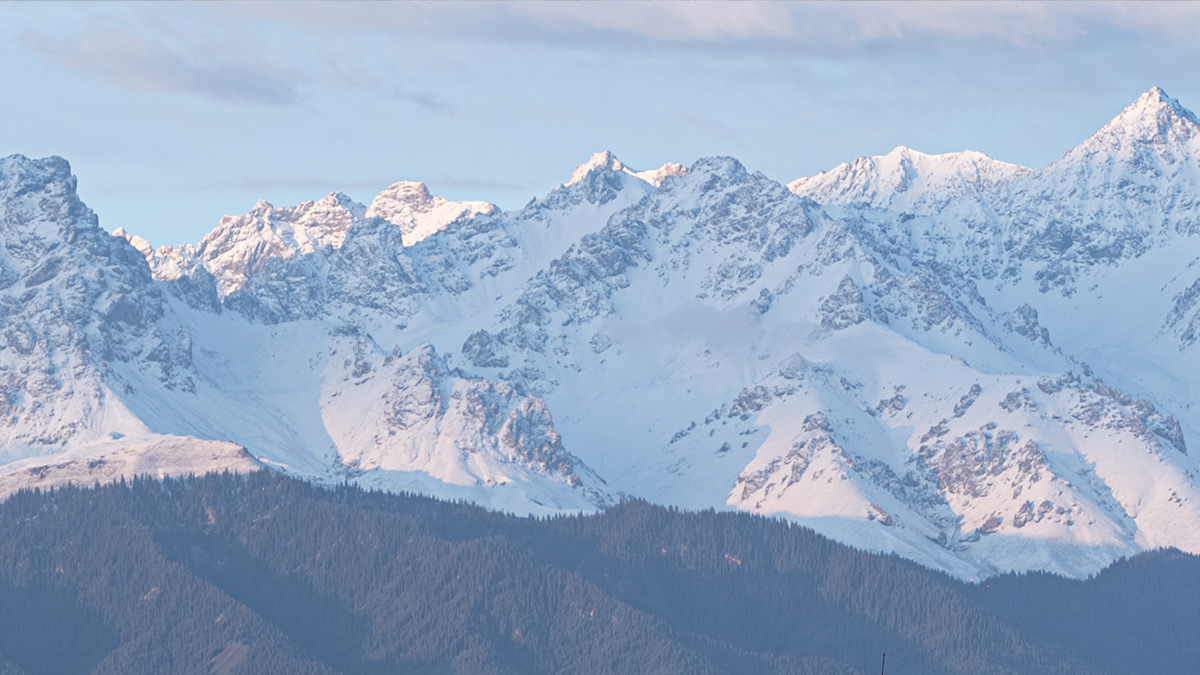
(173, 114)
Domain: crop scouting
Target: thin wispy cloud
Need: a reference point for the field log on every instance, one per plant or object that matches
(827, 27)
(708, 126)
(261, 185)
(129, 61)
(811, 27)
(422, 99)
(363, 189)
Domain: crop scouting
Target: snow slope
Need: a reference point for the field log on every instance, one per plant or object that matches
(975, 365)
(908, 181)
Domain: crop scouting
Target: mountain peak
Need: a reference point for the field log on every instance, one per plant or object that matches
(607, 160)
(600, 160)
(412, 192)
(1156, 96)
(338, 198)
(19, 168)
(1154, 118)
(908, 180)
(1156, 103)
(655, 177)
(337, 202)
(410, 206)
(140, 243)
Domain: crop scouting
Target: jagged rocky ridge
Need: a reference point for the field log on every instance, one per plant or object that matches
(975, 365)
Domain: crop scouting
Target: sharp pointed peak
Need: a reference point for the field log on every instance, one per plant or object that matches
(604, 159)
(1157, 100)
(335, 202)
(1156, 94)
(1154, 118)
(336, 198)
(140, 243)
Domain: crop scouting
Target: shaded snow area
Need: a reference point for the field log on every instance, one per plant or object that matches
(974, 365)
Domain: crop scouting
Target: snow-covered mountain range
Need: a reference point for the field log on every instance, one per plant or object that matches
(972, 364)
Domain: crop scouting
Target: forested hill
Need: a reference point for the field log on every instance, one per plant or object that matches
(228, 574)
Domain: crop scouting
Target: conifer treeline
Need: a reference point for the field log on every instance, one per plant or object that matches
(264, 574)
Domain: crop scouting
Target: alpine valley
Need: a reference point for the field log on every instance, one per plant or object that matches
(974, 365)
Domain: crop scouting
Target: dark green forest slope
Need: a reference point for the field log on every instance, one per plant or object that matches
(260, 573)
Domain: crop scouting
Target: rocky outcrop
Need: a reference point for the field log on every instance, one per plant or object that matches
(76, 302)
(411, 412)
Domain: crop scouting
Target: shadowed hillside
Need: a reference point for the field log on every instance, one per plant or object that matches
(261, 573)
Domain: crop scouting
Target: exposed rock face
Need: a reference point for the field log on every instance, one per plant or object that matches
(844, 308)
(245, 247)
(411, 413)
(1024, 321)
(75, 300)
(814, 444)
(480, 350)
